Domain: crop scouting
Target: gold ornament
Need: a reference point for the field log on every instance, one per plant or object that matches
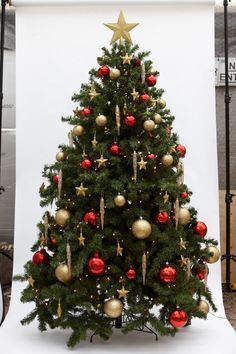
(70, 138)
(114, 73)
(215, 256)
(113, 308)
(141, 229)
(148, 125)
(203, 306)
(119, 249)
(81, 238)
(31, 281)
(62, 273)
(125, 109)
(143, 73)
(42, 240)
(60, 156)
(61, 217)
(102, 212)
(142, 164)
(94, 141)
(135, 165)
(182, 244)
(135, 94)
(93, 93)
(59, 186)
(42, 188)
(180, 169)
(77, 111)
(184, 261)
(101, 120)
(157, 118)
(167, 160)
(117, 112)
(119, 200)
(78, 130)
(121, 29)
(177, 212)
(46, 225)
(161, 103)
(166, 197)
(59, 309)
(81, 190)
(68, 257)
(144, 267)
(101, 161)
(184, 216)
(84, 155)
(126, 59)
(122, 292)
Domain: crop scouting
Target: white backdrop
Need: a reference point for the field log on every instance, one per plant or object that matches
(56, 46)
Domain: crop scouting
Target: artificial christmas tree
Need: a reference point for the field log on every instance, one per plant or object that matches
(121, 240)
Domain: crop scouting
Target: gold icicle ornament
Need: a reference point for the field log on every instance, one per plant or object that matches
(68, 257)
(125, 110)
(143, 73)
(70, 137)
(135, 165)
(188, 269)
(46, 226)
(59, 309)
(60, 179)
(180, 168)
(94, 141)
(144, 267)
(117, 112)
(102, 212)
(176, 213)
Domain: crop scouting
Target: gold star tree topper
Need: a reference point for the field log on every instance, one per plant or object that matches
(121, 29)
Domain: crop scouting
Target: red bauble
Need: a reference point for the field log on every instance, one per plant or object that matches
(41, 257)
(130, 121)
(131, 273)
(103, 71)
(86, 111)
(144, 97)
(151, 80)
(162, 217)
(151, 156)
(114, 149)
(55, 179)
(168, 274)
(184, 195)
(199, 272)
(86, 164)
(96, 265)
(178, 318)
(181, 149)
(200, 228)
(91, 218)
(136, 62)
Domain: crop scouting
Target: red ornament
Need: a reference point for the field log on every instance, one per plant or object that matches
(114, 149)
(200, 228)
(136, 61)
(168, 131)
(151, 80)
(144, 97)
(184, 195)
(130, 121)
(162, 217)
(86, 111)
(55, 179)
(96, 265)
(181, 149)
(41, 257)
(151, 156)
(103, 71)
(91, 218)
(86, 164)
(178, 318)
(168, 274)
(199, 272)
(131, 273)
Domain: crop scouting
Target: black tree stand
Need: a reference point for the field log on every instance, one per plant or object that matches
(228, 196)
(121, 320)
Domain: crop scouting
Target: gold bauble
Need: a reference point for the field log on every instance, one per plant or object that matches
(78, 130)
(216, 254)
(161, 103)
(203, 306)
(149, 125)
(61, 217)
(184, 216)
(113, 308)
(101, 120)
(167, 160)
(114, 73)
(60, 156)
(119, 200)
(141, 229)
(157, 118)
(62, 273)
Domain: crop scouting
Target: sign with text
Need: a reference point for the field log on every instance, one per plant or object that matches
(220, 71)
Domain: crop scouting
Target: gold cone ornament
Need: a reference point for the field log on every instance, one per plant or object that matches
(135, 165)
(62, 216)
(113, 308)
(141, 229)
(117, 113)
(144, 267)
(102, 212)
(59, 186)
(46, 226)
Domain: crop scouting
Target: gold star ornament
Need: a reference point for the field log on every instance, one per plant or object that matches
(142, 164)
(101, 161)
(126, 59)
(182, 244)
(93, 93)
(184, 261)
(119, 249)
(31, 281)
(121, 29)
(81, 190)
(135, 94)
(122, 292)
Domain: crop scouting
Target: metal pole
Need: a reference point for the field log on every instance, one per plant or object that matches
(4, 2)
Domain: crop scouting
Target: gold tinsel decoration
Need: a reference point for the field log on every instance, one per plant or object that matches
(102, 212)
(117, 112)
(176, 212)
(60, 177)
(144, 267)
(135, 165)
(59, 309)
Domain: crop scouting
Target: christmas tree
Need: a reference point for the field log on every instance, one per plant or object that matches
(121, 240)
